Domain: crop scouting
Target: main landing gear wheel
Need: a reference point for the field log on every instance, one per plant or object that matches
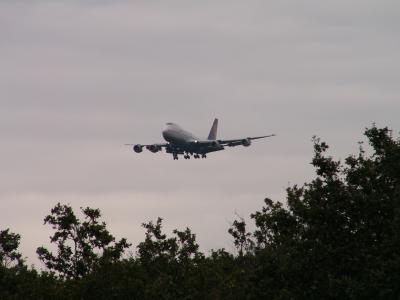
(203, 156)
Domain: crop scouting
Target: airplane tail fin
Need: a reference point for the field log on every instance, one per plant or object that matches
(213, 132)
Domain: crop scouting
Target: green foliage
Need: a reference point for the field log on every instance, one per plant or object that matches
(27, 284)
(242, 238)
(336, 237)
(9, 243)
(82, 246)
(16, 280)
(168, 264)
(182, 247)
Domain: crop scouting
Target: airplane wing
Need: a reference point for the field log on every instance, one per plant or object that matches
(151, 147)
(244, 141)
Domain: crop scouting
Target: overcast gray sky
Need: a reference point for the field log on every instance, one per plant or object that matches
(79, 79)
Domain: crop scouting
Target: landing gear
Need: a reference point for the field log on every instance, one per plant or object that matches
(187, 155)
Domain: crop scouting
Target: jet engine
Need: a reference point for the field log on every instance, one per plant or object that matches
(153, 148)
(246, 142)
(138, 148)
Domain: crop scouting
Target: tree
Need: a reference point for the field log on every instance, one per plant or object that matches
(82, 246)
(338, 236)
(181, 247)
(241, 237)
(9, 243)
(169, 264)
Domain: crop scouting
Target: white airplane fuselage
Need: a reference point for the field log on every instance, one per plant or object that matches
(177, 135)
(182, 142)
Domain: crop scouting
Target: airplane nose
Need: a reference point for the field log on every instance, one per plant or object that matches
(165, 133)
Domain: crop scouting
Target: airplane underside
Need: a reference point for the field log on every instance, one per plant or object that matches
(187, 153)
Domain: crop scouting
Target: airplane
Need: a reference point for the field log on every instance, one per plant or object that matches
(182, 142)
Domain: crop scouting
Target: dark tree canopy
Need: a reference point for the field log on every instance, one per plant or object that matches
(9, 243)
(82, 246)
(336, 237)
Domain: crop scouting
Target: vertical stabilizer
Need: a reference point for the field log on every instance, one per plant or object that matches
(213, 132)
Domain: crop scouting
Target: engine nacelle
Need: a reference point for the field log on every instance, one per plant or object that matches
(138, 148)
(246, 142)
(153, 148)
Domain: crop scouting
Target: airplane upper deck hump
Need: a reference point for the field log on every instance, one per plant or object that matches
(213, 132)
